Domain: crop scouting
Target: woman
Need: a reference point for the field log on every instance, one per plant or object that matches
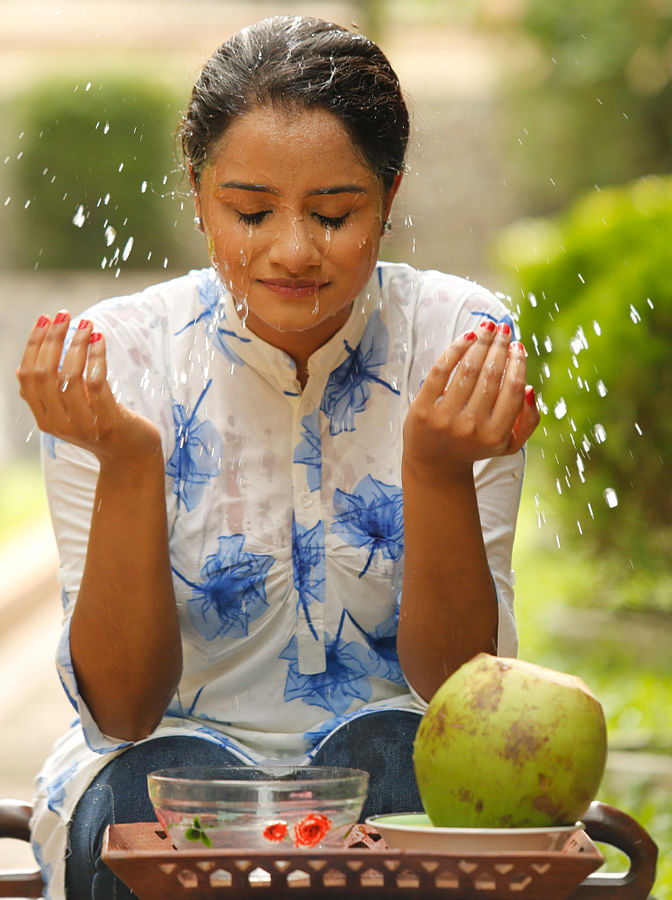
(269, 476)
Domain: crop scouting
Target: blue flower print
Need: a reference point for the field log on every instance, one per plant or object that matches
(232, 592)
(309, 451)
(345, 678)
(348, 388)
(197, 455)
(46, 869)
(317, 734)
(505, 318)
(49, 444)
(383, 643)
(308, 562)
(371, 516)
(210, 296)
(56, 789)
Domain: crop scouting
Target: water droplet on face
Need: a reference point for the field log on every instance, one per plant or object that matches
(611, 498)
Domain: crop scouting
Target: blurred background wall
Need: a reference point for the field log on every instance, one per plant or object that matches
(539, 165)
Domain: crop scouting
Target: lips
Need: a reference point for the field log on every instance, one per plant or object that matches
(293, 287)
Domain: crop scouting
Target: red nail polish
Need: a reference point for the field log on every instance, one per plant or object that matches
(95, 336)
(470, 336)
(504, 328)
(60, 317)
(529, 396)
(84, 323)
(42, 322)
(488, 324)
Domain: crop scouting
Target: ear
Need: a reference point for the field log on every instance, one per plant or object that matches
(195, 191)
(391, 194)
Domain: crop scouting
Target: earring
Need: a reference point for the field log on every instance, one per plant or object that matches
(387, 226)
(198, 223)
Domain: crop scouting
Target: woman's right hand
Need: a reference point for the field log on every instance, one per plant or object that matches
(73, 401)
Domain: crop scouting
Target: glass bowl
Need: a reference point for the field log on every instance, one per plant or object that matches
(257, 807)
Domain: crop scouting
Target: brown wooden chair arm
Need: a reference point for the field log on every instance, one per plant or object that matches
(15, 823)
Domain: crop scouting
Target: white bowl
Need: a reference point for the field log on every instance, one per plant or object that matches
(414, 831)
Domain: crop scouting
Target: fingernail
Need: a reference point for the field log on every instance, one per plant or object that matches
(488, 324)
(518, 347)
(470, 336)
(60, 317)
(504, 328)
(529, 395)
(84, 323)
(42, 322)
(95, 336)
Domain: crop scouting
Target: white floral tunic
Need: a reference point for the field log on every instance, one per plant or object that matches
(284, 514)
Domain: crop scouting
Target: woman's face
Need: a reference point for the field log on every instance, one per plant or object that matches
(293, 220)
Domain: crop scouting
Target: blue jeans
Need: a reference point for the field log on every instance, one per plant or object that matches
(380, 742)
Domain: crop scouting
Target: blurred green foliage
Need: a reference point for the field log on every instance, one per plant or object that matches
(96, 172)
(600, 111)
(595, 289)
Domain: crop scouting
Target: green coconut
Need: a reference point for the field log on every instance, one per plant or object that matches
(508, 744)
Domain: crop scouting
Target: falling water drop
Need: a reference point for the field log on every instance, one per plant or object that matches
(128, 246)
(638, 429)
(110, 235)
(560, 408)
(143, 187)
(600, 433)
(106, 127)
(611, 497)
(601, 388)
(634, 315)
(597, 328)
(79, 217)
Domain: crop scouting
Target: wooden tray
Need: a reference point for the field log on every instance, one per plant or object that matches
(144, 858)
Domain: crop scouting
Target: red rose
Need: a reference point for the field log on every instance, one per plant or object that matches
(276, 831)
(311, 830)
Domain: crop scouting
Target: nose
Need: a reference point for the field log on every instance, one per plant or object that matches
(293, 247)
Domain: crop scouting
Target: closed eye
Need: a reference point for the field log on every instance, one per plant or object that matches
(331, 222)
(252, 218)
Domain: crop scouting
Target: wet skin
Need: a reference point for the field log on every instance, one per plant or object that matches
(293, 219)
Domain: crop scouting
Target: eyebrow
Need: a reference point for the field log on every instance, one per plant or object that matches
(265, 189)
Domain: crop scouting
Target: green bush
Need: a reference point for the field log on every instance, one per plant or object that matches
(596, 310)
(96, 173)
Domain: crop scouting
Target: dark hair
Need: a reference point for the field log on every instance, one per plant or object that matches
(301, 62)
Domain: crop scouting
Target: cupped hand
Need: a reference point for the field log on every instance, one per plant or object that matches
(485, 409)
(73, 401)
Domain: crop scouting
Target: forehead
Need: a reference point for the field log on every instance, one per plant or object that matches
(310, 143)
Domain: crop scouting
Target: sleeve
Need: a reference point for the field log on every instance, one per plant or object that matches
(70, 476)
(447, 307)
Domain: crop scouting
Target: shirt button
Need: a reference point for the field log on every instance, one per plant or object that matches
(307, 500)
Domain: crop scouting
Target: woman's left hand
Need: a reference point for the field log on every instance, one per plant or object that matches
(485, 409)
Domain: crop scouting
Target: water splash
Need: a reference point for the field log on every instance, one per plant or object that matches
(611, 497)
(79, 217)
